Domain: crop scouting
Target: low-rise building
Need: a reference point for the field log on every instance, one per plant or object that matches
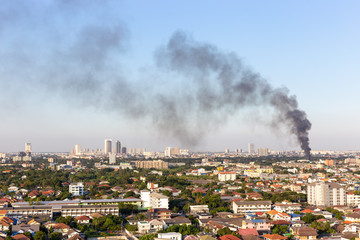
(226, 176)
(251, 206)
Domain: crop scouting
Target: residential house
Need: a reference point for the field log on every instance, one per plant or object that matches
(229, 237)
(304, 233)
(83, 219)
(273, 237)
(353, 217)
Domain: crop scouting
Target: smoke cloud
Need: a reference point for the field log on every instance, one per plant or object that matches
(214, 85)
(224, 86)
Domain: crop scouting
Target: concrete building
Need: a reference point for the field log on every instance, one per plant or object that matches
(123, 150)
(76, 189)
(263, 151)
(145, 198)
(77, 149)
(353, 199)
(169, 235)
(112, 158)
(326, 194)
(28, 147)
(226, 176)
(108, 146)
(251, 149)
(157, 164)
(158, 200)
(118, 147)
(251, 206)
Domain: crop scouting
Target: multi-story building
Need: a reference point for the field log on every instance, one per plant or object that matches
(87, 210)
(226, 176)
(107, 147)
(158, 200)
(287, 207)
(326, 194)
(157, 164)
(251, 206)
(353, 199)
(76, 189)
(118, 147)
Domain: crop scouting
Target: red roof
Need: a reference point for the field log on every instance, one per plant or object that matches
(244, 232)
(274, 236)
(82, 218)
(229, 237)
(60, 226)
(307, 211)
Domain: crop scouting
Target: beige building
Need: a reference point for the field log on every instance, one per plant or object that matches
(326, 194)
(226, 176)
(251, 206)
(157, 164)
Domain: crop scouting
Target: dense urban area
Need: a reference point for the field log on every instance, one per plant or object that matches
(177, 194)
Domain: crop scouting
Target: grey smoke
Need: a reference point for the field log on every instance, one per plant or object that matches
(223, 85)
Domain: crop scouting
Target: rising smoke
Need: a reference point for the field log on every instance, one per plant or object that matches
(214, 85)
(223, 83)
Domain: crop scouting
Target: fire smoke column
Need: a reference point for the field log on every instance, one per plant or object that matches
(221, 86)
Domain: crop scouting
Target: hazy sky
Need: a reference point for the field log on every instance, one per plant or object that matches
(77, 72)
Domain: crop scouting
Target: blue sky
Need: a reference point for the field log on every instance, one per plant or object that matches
(311, 47)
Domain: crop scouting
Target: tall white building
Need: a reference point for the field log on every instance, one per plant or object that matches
(77, 150)
(76, 189)
(326, 194)
(28, 147)
(251, 149)
(107, 147)
(154, 200)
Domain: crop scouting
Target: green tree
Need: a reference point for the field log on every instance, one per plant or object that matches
(147, 237)
(55, 236)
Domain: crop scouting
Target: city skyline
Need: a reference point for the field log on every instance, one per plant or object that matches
(310, 48)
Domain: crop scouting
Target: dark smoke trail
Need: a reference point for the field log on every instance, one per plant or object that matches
(223, 83)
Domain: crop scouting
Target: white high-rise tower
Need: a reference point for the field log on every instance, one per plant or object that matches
(107, 148)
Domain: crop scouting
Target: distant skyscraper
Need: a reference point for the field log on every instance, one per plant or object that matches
(251, 148)
(107, 147)
(28, 147)
(263, 151)
(227, 150)
(77, 150)
(123, 150)
(117, 147)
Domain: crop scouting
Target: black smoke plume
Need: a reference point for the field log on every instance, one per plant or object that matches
(223, 86)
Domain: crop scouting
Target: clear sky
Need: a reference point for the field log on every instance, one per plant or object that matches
(79, 72)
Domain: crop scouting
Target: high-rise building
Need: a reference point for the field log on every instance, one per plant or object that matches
(117, 147)
(77, 150)
(326, 194)
(123, 150)
(251, 149)
(28, 147)
(263, 151)
(107, 147)
(167, 152)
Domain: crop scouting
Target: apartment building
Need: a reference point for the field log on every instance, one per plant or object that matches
(158, 200)
(76, 189)
(353, 199)
(157, 164)
(226, 176)
(251, 206)
(326, 194)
